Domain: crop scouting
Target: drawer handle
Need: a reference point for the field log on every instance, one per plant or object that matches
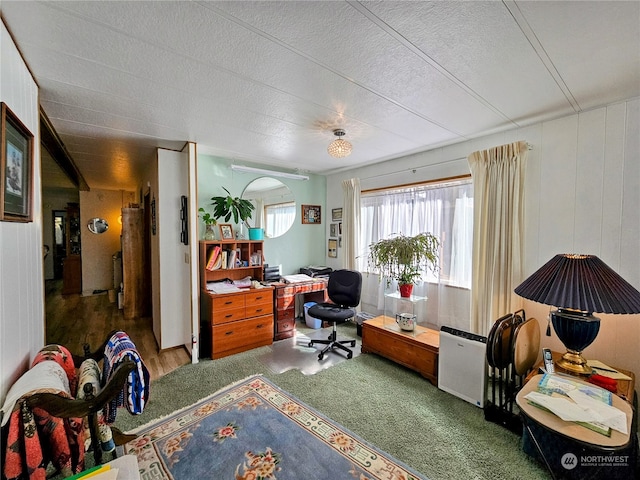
(259, 326)
(230, 332)
(229, 315)
(229, 302)
(258, 310)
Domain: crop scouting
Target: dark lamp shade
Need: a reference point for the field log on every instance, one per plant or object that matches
(580, 282)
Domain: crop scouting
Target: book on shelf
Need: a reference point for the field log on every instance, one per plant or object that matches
(224, 254)
(213, 257)
(231, 260)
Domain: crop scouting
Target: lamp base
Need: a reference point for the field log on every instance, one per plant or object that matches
(574, 362)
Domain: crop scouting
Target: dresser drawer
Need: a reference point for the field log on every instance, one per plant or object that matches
(285, 326)
(259, 297)
(227, 302)
(225, 316)
(259, 309)
(235, 337)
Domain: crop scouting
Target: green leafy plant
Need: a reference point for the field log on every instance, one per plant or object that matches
(207, 218)
(404, 258)
(226, 207)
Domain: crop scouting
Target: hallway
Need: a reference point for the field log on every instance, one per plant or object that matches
(73, 320)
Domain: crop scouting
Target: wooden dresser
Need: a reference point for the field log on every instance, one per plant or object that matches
(237, 321)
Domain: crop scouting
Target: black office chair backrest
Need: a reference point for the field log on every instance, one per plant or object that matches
(344, 287)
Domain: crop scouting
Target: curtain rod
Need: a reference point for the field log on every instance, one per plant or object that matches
(415, 169)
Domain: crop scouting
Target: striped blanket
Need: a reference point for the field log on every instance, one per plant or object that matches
(135, 393)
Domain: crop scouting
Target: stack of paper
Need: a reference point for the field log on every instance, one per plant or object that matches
(572, 401)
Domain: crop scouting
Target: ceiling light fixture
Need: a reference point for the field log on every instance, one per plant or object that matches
(339, 148)
(272, 173)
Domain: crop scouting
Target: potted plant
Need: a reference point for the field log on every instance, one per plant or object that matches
(209, 223)
(403, 258)
(227, 207)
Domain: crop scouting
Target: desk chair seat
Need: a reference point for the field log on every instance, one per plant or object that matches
(343, 289)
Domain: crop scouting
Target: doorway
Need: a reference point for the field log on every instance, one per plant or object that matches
(59, 242)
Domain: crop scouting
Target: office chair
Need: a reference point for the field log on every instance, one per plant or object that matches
(344, 290)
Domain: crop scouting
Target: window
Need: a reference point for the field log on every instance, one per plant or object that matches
(279, 217)
(444, 209)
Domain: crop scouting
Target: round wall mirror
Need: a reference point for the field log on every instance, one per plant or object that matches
(275, 205)
(98, 225)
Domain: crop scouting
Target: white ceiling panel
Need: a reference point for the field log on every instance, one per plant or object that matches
(268, 81)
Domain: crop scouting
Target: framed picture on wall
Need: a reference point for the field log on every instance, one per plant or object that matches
(16, 169)
(333, 248)
(336, 214)
(333, 230)
(311, 214)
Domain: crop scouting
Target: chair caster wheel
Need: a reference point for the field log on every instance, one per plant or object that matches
(310, 344)
(321, 356)
(349, 355)
(353, 344)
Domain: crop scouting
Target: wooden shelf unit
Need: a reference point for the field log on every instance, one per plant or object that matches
(238, 321)
(246, 247)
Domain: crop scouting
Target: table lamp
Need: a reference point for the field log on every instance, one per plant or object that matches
(579, 285)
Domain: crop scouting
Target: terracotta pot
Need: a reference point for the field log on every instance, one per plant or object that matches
(405, 289)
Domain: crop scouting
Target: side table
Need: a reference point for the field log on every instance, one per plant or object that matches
(572, 451)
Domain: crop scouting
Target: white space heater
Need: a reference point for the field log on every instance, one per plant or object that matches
(462, 365)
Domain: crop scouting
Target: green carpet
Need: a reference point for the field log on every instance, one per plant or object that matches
(391, 407)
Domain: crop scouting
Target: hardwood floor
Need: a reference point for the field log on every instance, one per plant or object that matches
(73, 320)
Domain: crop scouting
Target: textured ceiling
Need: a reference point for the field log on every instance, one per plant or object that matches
(267, 82)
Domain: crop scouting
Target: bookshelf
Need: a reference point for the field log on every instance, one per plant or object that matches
(250, 251)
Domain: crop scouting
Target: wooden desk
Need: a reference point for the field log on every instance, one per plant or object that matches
(416, 350)
(284, 325)
(626, 388)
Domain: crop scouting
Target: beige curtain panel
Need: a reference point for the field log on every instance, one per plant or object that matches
(350, 222)
(498, 188)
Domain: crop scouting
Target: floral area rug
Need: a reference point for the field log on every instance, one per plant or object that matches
(253, 430)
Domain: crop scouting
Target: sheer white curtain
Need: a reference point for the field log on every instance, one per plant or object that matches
(350, 222)
(279, 218)
(498, 178)
(443, 209)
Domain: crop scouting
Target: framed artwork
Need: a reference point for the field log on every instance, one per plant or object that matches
(311, 214)
(333, 248)
(340, 228)
(336, 214)
(16, 167)
(333, 230)
(226, 231)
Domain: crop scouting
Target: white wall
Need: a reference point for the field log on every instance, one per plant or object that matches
(98, 250)
(21, 264)
(582, 195)
(302, 244)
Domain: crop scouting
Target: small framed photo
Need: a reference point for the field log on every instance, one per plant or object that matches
(336, 214)
(16, 169)
(333, 230)
(333, 248)
(311, 214)
(226, 231)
